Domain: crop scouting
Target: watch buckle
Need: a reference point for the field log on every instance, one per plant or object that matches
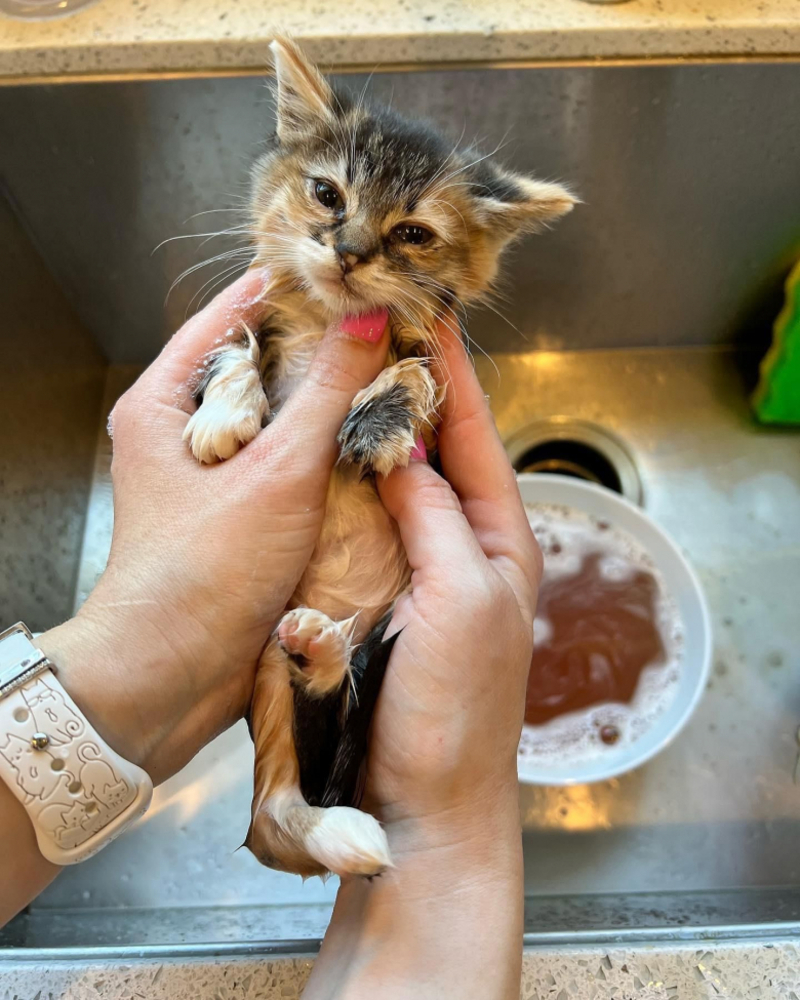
(22, 661)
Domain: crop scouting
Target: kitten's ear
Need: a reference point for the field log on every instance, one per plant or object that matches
(513, 204)
(303, 96)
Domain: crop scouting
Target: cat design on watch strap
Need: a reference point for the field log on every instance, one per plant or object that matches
(78, 792)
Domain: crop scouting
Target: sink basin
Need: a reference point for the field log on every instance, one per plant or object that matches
(636, 317)
(719, 809)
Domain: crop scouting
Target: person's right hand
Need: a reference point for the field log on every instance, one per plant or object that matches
(445, 734)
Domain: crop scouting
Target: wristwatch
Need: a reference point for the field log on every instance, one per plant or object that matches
(78, 792)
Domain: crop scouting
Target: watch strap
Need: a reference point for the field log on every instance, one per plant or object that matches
(79, 793)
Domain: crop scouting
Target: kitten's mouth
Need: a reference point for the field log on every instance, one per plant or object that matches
(341, 294)
(339, 284)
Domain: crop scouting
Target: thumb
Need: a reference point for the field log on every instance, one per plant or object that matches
(349, 357)
(434, 531)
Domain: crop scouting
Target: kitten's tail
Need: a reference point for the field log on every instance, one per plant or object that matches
(286, 832)
(309, 840)
(346, 841)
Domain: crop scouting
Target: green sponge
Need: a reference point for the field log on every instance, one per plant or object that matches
(777, 397)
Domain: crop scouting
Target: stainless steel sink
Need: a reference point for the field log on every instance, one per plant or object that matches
(639, 315)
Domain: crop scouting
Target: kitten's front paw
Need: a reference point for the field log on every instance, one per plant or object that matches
(217, 430)
(234, 406)
(387, 417)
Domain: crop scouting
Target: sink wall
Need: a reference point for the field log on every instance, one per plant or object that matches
(689, 176)
(51, 383)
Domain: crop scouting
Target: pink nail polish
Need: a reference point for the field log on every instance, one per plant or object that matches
(419, 454)
(368, 326)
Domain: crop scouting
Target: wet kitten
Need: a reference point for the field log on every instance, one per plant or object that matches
(356, 209)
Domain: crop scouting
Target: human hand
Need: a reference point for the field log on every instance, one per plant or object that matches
(442, 776)
(204, 558)
(443, 750)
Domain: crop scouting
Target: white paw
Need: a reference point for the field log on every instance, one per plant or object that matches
(217, 431)
(349, 842)
(323, 644)
(233, 409)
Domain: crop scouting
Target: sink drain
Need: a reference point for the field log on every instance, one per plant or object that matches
(578, 449)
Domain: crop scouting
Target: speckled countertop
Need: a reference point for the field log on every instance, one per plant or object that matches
(154, 36)
(719, 971)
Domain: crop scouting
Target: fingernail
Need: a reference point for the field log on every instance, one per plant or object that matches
(368, 326)
(419, 454)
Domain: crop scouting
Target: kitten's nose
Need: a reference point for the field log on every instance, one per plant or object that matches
(349, 256)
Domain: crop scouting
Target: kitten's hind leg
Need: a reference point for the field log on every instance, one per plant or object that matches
(286, 833)
(233, 406)
(387, 417)
(319, 647)
(276, 781)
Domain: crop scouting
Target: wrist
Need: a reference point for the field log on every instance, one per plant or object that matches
(463, 817)
(87, 661)
(475, 841)
(459, 853)
(455, 890)
(119, 673)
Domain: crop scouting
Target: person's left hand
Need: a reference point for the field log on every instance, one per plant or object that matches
(204, 559)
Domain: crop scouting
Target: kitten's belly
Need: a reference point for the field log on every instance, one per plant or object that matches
(359, 563)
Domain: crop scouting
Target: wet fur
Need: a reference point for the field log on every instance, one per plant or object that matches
(325, 263)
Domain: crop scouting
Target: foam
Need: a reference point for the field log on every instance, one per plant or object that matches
(566, 535)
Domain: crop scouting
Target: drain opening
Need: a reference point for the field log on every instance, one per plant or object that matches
(578, 449)
(570, 458)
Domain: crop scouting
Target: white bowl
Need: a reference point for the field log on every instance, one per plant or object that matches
(684, 587)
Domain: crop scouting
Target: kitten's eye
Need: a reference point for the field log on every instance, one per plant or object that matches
(327, 195)
(417, 235)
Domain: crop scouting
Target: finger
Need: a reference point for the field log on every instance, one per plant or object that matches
(472, 454)
(220, 321)
(435, 533)
(475, 463)
(348, 358)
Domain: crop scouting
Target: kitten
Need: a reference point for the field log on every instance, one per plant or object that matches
(356, 209)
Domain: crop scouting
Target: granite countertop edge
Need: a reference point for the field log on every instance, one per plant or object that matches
(125, 37)
(651, 972)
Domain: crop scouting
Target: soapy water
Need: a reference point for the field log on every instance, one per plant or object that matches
(188, 389)
(243, 304)
(183, 395)
(568, 537)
